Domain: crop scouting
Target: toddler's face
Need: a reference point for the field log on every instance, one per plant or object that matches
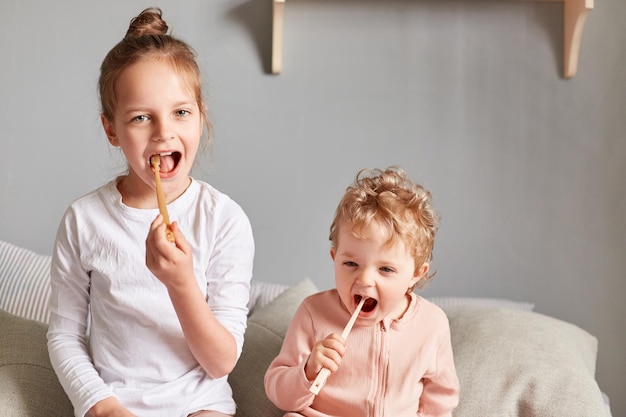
(155, 114)
(371, 268)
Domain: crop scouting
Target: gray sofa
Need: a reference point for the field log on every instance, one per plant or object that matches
(511, 361)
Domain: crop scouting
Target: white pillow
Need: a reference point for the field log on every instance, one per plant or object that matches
(24, 282)
(261, 293)
(446, 302)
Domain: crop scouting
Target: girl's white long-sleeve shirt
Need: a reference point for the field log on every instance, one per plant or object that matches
(113, 330)
(396, 368)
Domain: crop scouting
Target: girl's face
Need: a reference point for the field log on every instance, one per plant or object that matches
(155, 114)
(371, 268)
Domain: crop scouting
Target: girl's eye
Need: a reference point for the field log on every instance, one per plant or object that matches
(182, 113)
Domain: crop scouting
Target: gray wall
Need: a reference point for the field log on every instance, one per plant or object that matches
(527, 168)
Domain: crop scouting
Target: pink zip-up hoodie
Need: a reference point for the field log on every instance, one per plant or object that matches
(398, 368)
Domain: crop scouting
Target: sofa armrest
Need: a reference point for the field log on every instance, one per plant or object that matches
(28, 385)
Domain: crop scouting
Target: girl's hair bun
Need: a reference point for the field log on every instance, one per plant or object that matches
(148, 22)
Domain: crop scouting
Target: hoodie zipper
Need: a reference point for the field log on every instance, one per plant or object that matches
(383, 366)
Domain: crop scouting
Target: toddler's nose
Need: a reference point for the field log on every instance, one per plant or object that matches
(366, 278)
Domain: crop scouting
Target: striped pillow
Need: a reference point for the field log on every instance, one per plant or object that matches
(261, 293)
(450, 302)
(24, 282)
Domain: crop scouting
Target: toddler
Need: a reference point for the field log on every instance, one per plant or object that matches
(398, 361)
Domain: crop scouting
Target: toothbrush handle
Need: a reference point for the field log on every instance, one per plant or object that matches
(323, 375)
(320, 380)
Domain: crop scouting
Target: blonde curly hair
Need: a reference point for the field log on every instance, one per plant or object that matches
(393, 201)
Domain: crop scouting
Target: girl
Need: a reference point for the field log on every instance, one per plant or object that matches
(399, 360)
(141, 326)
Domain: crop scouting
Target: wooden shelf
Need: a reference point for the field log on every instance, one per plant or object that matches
(574, 15)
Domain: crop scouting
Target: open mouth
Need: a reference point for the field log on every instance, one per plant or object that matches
(168, 161)
(369, 304)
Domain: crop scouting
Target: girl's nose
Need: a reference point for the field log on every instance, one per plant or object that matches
(163, 131)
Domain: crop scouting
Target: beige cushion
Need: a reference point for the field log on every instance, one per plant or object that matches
(510, 363)
(518, 363)
(263, 339)
(28, 385)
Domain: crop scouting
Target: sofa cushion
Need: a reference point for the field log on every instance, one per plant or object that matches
(263, 339)
(523, 364)
(28, 385)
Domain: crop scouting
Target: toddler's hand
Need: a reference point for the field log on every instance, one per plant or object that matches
(326, 353)
(171, 263)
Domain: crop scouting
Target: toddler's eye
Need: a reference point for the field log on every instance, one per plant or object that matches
(140, 118)
(350, 264)
(387, 269)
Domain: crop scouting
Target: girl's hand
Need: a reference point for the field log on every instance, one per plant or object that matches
(326, 353)
(109, 407)
(171, 263)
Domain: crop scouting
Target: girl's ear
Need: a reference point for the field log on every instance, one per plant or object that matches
(109, 129)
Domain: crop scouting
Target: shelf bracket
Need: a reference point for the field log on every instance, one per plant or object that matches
(278, 17)
(574, 15)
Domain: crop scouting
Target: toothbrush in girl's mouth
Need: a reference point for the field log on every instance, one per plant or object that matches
(320, 380)
(155, 161)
